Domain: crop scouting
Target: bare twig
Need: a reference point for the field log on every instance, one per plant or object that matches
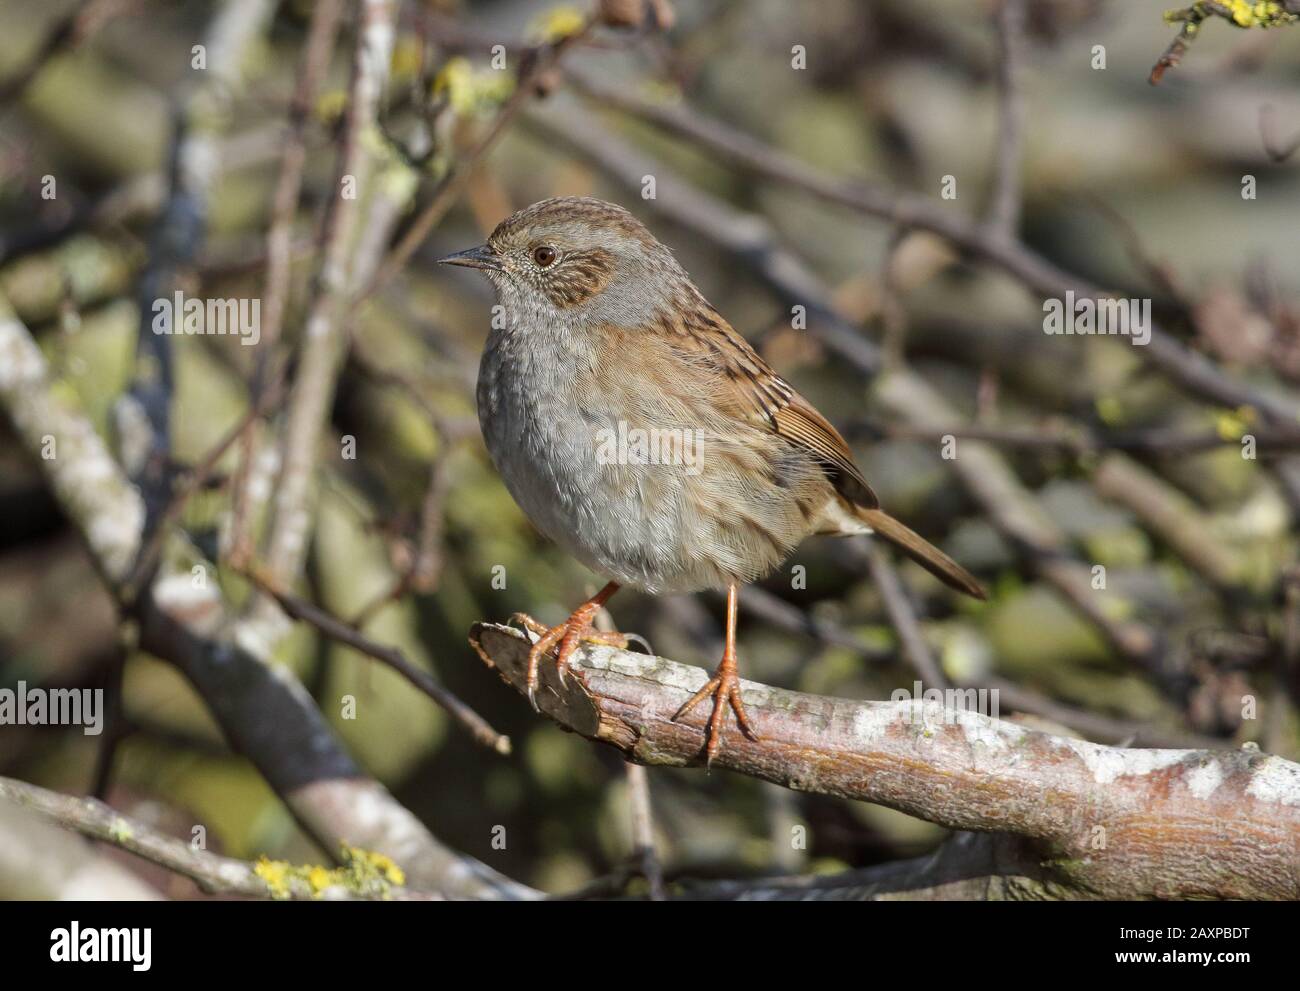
(1004, 207)
(279, 248)
(643, 830)
(323, 337)
(1191, 370)
(336, 629)
(1017, 515)
(967, 867)
(422, 571)
(1077, 440)
(903, 618)
(194, 481)
(68, 32)
(451, 185)
(1172, 516)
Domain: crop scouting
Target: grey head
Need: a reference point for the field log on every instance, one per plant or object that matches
(578, 260)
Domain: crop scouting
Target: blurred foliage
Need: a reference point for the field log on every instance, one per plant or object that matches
(902, 92)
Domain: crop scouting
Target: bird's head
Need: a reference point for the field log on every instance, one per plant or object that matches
(576, 257)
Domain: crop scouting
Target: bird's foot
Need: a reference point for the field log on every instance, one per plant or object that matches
(724, 686)
(564, 638)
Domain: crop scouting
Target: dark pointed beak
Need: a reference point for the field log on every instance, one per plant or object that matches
(480, 257)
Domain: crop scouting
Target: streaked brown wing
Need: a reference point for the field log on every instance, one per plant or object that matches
(762, 395)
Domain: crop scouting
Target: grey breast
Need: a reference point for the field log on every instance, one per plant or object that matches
(582, 475)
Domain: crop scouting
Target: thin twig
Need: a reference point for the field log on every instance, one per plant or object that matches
(336, 629)
(321, 34)
(452, 184)
(68, 33)
(643, 830)
(1004, 208)
(323, 336)
(903, 617)
(192, 482)
(1191, 370)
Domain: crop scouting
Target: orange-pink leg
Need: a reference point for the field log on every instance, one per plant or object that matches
(573, 631)
(724, 686)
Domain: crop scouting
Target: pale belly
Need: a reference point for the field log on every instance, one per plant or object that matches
(660, 506)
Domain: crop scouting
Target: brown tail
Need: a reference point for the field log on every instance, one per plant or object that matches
(922, 552)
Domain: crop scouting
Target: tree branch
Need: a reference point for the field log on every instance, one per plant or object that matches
(267, 716)
(1102, 821)
(321, 347)
(212, 872)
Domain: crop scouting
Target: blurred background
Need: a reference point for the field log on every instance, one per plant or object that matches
(1072, 453)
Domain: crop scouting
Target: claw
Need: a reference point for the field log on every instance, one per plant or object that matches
(529, 624)
(565, 639)
(725, 689)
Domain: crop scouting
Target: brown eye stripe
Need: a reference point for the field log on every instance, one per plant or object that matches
(581, 276)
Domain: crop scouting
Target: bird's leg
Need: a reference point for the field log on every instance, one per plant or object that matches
(724, 686)
(573, 631)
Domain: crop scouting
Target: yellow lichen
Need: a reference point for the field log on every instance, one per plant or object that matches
(1233, 424)
(380, 863)
(470, 90)
(405, 63)
(558, 23)
(330, 105)
(1242, 13)
(319, 878)
(1109, 409)
(362, 872)
(276, 875)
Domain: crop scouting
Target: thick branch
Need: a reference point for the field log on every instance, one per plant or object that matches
(212, 872)
(1101, 820)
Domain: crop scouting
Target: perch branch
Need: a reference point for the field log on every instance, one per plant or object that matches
(1101, 821)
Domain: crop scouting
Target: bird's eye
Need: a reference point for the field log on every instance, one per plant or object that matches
(544, 255)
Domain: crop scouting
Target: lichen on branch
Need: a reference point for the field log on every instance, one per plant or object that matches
(1238, 13)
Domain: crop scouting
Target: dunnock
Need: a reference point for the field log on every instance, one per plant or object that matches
(642, 433)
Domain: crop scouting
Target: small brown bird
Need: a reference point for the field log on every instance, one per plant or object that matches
(642, 433)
